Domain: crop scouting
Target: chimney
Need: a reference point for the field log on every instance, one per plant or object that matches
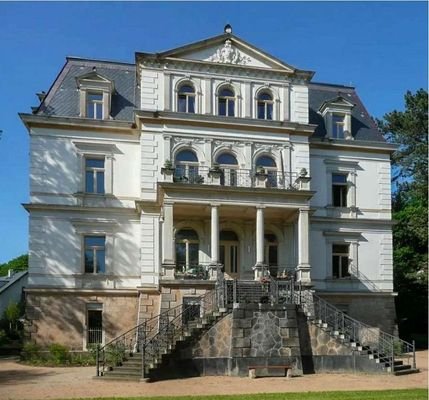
(10, 273)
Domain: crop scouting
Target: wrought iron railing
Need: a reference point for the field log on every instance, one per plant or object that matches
(150, 339)
(234, 177)
(192, 271)
(95, 336)
(265, 291)
(383, 346)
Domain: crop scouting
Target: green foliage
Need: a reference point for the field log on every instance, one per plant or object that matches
(31, 352)
(17, 264)
(115, 354)
(3, 337)
(409, 129)
(59, 353)
(402, 394)
(12, 314)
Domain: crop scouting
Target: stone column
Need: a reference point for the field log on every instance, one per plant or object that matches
(259, 266)
(167, 242)
(303, 247)
(214, 243)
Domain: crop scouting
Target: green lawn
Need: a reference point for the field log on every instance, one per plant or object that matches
(408, 394)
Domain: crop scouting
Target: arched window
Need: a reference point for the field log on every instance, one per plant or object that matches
(186, 166)
(229, 165)
(226, 102)
(186, 99)
(270, 167)
(187, 248)
(271, 252)
(265, 105)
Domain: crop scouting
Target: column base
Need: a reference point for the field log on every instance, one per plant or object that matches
(260, 270)
(168, 269)
(303, 275)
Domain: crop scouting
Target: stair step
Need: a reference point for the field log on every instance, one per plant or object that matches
(119, 377)
(398, 368)
(406, 371)
(119, 371)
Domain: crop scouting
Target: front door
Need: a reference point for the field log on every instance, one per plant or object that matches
(229, 257)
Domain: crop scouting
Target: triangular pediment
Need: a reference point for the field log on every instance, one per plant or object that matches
(228, 49)
(93, 76)
(338, 101)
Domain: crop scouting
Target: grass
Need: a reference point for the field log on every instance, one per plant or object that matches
(405, 394)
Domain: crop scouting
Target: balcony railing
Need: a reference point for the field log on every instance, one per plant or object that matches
(231, 177)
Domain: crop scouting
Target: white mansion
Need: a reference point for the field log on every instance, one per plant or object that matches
(145, 177)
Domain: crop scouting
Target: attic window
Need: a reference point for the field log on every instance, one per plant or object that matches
(338, 126)
(95, 95)
(94, 105)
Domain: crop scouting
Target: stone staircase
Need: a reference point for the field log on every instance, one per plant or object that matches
(390, 353)
(158, 352)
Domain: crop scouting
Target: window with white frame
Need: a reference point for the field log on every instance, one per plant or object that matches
(338, 126)
(186, 99)
(226, 102)
(94, 175)
(265, 105)
(339, 190)
(340, 261)
(187, 248)
(268, 165)
(229, 166)
(95, 254)
(186, 166)
(94, 105)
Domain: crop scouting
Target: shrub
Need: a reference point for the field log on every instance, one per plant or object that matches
(59, 353)
(31, 352)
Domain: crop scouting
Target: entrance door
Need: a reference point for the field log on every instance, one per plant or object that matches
(228, 254)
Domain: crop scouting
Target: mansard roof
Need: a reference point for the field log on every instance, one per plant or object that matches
(62, 98)
(363, 126)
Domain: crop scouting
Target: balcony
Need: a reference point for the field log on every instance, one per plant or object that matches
(235, 177)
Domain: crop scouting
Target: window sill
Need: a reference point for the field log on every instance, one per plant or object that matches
(94, 195)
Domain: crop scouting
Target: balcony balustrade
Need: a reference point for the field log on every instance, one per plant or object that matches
(231, 177)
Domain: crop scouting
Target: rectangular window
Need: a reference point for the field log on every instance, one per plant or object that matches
(340, 261)
(338, 126)
(95, 254)
(94, 105)
(95, 325)
(94, 175)
(339, 190)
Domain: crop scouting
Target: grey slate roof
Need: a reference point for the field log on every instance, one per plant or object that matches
(363, 126)
(63, 97)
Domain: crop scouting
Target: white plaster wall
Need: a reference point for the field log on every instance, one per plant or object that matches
(372, 265)
(56, 257)
(150, 246)
(150, 89)
(57, 171)
(372, 181)
(299, 103)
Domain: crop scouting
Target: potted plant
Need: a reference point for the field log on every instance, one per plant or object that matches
(215, 169)
(260, 171)
(168, 168)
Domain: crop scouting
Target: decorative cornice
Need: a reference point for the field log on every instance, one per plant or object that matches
(353, 145)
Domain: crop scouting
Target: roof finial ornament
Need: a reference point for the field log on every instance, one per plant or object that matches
(228, 28)
(94, 69)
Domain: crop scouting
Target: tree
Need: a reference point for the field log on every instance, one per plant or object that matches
(17, 264)
(12, 314)
(409, 129)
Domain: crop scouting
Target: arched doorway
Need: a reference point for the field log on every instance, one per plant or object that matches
(229, 254)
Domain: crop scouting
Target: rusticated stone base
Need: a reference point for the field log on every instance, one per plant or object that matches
(54, 316)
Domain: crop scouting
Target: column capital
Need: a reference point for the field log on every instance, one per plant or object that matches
(260, 207)
(215, 204)
(168, 203)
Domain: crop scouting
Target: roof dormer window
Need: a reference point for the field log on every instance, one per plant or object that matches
(337, 114)
(95, 95)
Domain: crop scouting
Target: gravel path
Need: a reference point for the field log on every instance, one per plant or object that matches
(18, 381)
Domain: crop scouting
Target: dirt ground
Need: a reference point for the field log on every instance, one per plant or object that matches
(18, 381)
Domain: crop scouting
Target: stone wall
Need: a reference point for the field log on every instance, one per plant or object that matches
(375, 310)
(58, 317)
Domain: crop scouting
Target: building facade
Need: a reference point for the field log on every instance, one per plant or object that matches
(149, 179)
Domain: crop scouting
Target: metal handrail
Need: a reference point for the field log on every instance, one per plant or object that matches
(385, 346)
(153, 335)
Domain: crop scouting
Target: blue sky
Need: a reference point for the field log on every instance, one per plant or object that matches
(379, 47)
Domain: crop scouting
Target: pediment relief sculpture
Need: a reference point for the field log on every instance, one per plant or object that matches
(229, 55)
